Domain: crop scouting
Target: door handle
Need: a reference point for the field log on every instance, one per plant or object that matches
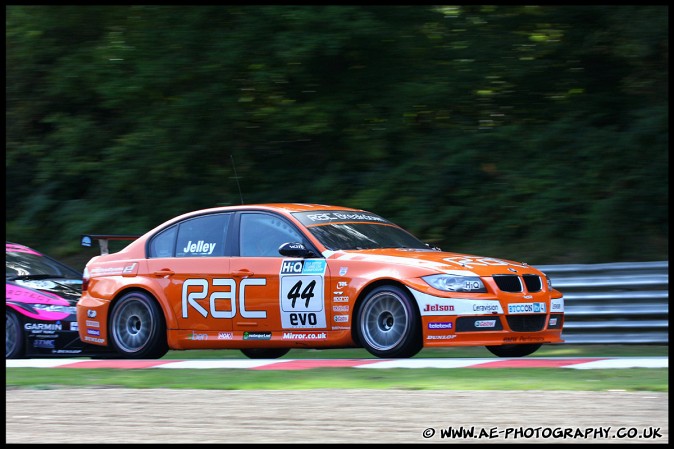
(164, 273)
(244, 273)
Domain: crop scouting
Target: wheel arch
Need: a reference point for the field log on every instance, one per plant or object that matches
(156, 344)
(363, 294)
(21, 319)
(167, 315)
(16, 308)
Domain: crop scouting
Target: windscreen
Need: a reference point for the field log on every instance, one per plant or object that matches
(348, 230)
(21, 263)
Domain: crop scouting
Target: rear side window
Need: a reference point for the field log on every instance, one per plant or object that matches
(163, 243)
(202, 236)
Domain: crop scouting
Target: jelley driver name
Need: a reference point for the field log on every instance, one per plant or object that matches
(199, 247)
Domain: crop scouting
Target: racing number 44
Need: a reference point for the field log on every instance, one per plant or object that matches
(306, 294)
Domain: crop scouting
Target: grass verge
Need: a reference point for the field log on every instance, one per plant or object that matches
(630, 379)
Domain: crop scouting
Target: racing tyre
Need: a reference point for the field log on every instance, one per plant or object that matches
(13, 336)
(388, 323)
(137, 327)
(265, 353)
(514, 350)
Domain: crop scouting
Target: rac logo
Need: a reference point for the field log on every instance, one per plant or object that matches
(194, 289)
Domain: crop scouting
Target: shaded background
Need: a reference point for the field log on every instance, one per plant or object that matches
(525, 132)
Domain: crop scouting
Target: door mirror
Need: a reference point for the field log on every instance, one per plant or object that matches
(295, 249)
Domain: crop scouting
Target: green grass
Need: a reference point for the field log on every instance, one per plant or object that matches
(630, 379)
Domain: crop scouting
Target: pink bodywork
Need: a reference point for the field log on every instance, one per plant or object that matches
(30, 296)
(13, 247)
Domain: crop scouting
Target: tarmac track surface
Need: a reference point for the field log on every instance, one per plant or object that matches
(330, 416)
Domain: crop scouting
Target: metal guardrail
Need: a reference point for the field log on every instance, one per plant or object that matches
(622, 303)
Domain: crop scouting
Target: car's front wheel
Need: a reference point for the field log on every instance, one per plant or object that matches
(265, 353)
(514, 350)
(137, 327)
(13, 336)
(388, 323)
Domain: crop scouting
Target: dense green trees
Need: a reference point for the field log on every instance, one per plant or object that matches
(527, 132)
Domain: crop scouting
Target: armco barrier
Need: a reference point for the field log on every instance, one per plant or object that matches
(620, 303)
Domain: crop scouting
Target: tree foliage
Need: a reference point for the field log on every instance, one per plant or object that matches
(530, 132)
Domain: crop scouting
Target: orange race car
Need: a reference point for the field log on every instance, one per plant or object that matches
(270, 277)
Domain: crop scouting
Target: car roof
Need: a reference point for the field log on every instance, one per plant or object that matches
(278, 207)
(289, 207)
(283, 208)
(17, 247)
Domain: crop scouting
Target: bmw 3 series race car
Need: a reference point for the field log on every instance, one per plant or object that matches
(267, 278)
(40, 314)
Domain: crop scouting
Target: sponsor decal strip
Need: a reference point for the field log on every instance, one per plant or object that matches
(295, 364)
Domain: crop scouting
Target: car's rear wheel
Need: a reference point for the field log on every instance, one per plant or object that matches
(137, 327)
(265, 353)
(13, 336)
(514, 350)
(388, 323)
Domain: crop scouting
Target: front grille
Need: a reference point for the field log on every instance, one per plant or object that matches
(526, 323)
(508, 282)
(533, 282)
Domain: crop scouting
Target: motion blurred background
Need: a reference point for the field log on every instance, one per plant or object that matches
(534, 133)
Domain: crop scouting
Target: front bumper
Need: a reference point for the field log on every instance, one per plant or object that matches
(492, 330)
(491, 321)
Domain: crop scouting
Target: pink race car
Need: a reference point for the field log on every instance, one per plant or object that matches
(41, 294)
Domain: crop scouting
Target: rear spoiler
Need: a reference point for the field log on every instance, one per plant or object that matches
(103, 239)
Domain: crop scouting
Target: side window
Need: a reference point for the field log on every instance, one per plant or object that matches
(203, 236)
(262, 234)
(162, 244)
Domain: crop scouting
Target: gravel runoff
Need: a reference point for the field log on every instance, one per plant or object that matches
(99, 415)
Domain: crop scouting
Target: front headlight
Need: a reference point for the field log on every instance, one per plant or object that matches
(453, 283)
(54, 308)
